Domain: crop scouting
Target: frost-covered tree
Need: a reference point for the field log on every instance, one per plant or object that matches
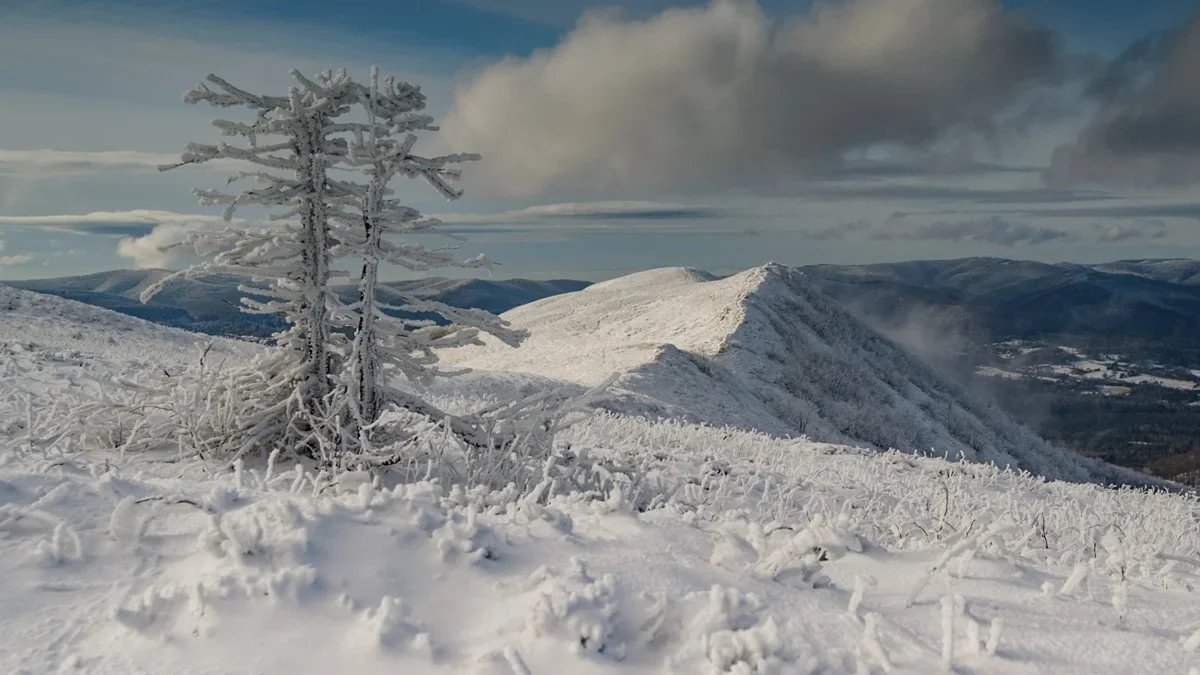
(296, 134)
(383, 343)
(325, 384)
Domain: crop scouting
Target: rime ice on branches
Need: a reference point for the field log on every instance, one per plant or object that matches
(326, 385)
(382, 148)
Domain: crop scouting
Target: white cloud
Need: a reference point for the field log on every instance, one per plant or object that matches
(118, 223)
(159, 247)
(144, 233)
(1145, 131)
(15, 259)
(67, 162)
(991, 229)
(135, 215)
(45, 162)
(614, 210)
(711, 96)
(1140, 230)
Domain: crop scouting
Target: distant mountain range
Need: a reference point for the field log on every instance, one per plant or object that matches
(1143, 308)
(1146, 308)
(212, 304)
(1051, 340)
(951, 312)
(1175, 270)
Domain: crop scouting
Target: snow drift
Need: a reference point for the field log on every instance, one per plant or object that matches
(764, 350)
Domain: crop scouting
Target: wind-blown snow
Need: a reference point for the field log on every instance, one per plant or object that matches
(734, 552)
(763, 350)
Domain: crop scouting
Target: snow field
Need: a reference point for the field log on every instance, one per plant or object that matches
(72, 333)
(779, 557)
(702, 550)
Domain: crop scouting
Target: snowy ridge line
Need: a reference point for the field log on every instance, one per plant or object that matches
(764, 350)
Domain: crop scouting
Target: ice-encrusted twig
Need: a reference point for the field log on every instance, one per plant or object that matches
(515, 662)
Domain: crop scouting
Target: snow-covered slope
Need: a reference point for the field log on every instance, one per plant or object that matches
(36, 321)
(127, 566)
(733, 553)
(1175, 270)
(763, 350)
(52, 350)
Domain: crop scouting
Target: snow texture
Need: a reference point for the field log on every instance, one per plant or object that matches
(764, 350)
(61, 330)
(727, 551)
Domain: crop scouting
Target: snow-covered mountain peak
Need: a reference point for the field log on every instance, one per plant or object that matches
(620, 324)
(763, 349)
(662, 277)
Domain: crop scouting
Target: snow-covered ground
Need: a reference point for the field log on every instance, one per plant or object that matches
(1106, 368)
(989, 371)
(52, 349)
(730, 552)
(1167, 382)
(762, 350)
(64, 329)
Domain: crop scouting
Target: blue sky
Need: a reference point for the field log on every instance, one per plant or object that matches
(719, 137)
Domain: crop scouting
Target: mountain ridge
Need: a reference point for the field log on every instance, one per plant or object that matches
(987, 299)
(767, 350)
(993, 299)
